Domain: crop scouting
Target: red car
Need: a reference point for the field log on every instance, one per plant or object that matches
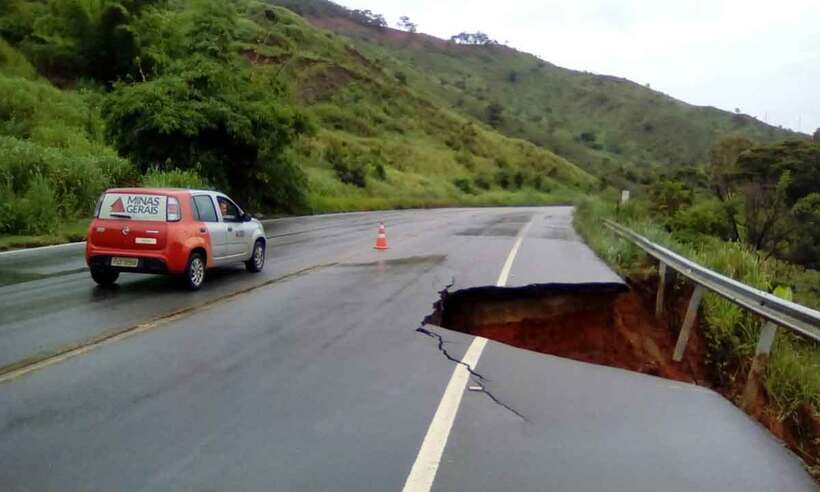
(170, 231)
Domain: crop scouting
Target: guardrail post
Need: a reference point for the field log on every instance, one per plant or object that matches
(761, 358)
(661, 288)
(691, 314)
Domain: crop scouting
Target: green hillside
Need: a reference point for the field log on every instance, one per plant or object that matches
(243, 96)
(412, 151)
(598, 121)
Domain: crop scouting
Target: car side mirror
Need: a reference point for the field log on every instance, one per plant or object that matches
(246, 217)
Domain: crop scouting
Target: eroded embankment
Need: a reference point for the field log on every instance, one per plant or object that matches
(605, 324)
(612, 325)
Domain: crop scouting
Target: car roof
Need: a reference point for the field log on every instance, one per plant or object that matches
(162, 191)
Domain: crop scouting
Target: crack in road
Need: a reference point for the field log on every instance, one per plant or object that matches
(433, 319)
(502, 404)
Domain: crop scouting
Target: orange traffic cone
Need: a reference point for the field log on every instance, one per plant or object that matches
(381, 238)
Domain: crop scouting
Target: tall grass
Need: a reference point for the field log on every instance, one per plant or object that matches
(792, 377)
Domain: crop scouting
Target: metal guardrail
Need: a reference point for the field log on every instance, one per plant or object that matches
(777, 311)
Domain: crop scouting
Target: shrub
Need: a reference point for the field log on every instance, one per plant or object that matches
(518, 180)
(707, 216)
(174, 178)
(502, 179)
(464, 185)
(347, 168)
(380, 171)
(668, 196)
(36, 212)
(482, 182)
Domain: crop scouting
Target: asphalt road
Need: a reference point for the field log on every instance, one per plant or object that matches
(318, 380)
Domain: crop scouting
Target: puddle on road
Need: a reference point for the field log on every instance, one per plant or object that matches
(505, 226)
(406, 261)
(599, 323)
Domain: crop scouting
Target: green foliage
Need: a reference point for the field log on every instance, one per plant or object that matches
(345, 164)
(464, 185)
(208, 91)
(207, 114)
(174, 178)
(767, 195)
(668, 196)
(793, 374)
(50, 145)
(706, 217)
(94, 38)
(14, 64)
(495, 115)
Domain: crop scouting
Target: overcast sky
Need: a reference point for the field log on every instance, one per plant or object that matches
(760, 56)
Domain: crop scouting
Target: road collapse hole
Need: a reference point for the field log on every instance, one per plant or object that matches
(599, 323)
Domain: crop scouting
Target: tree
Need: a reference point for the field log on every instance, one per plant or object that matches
(87, 38)
(207, 114)
(406, 25)
(369, 19)
(477, 38)
(723, 173)
(816, 137)
(777, 183)
(667, 196)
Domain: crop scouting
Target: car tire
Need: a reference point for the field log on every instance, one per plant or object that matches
(194, 272)
(106, 278)
(257, 261)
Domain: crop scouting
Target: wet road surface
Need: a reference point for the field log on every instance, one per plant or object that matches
(320, 381)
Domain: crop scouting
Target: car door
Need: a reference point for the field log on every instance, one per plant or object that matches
(237, 230)
(205, 209)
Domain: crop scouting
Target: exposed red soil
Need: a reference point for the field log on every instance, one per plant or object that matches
(613, 330)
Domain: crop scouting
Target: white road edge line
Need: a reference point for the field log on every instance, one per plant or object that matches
(424, 469)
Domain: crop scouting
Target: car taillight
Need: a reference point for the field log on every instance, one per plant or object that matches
(174, 213)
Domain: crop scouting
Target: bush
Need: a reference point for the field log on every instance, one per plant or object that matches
(482, 182)
(518, 180)
(13, 63)
(464, 185)
(36, 212)
(380, 171)
(706, 217)
(347, 168)
(502, 179)
(174, 178)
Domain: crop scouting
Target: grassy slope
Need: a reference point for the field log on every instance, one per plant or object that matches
(357, 101)
(549, 105)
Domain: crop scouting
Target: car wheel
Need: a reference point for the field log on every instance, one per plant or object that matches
(105, 277)
(257, 261)
(195, 272)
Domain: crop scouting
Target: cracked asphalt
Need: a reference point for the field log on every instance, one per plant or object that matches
(323, 381)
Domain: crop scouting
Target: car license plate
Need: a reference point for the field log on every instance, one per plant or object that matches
(118, 261)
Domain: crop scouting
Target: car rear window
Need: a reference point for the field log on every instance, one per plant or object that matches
(134, 206)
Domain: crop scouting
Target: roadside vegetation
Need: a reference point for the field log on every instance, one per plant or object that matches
(753, 222)
(240, 96)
